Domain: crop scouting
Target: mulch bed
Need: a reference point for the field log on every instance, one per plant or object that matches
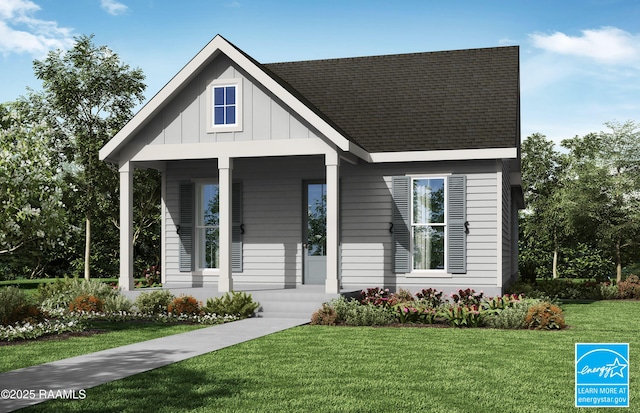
(50, 337)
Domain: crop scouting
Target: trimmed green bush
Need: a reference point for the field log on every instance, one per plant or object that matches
(236, 303)
(16, 306)
(117, 304)
(60, 294)
(353, 313)
(512, 317)
(154, 302)
(608, 291)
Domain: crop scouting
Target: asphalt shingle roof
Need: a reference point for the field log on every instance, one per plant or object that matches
(462, 99)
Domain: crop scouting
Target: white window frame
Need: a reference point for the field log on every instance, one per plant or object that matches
(199, 228)
(235, 127)
(444, 225)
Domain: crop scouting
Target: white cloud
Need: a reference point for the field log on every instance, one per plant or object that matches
(114, 7)
(20, 32)
(12, 8)
(608, 45)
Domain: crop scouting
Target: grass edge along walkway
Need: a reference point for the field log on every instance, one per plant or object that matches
(90, 370)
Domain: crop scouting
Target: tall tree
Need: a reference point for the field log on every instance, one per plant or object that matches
(90, 95)
(606, 183)
(31, 208)
(545, 221)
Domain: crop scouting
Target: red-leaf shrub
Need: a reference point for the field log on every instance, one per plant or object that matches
(185, 304)
(86, 303)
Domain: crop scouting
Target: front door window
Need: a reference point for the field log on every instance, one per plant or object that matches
(317, 219)
(208, 226)
(315, 239)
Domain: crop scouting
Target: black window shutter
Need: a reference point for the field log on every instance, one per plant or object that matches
(456, 218)
(186, 231)
(237, 229)
(401, 216)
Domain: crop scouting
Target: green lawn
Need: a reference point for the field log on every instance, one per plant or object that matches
(342, 369)
(119, 334)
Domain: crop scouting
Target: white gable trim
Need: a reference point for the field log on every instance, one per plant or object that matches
(206, 55)
(444, 155)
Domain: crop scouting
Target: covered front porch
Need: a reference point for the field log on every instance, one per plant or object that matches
(267, 247)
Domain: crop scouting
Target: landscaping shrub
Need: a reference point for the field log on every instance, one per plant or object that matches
(152, 276)
(325, 316)
(10, 299)
(565, 289)
(154, 302)
(86, 303)
(467, 297)
(629, 288)
(608, 291)
(400, 296)
(415, 312)
(512, 317)
(467, 309)
(117, 304)
(460, 315)
(502, 302)
(58, 295)
(354, 313)
(16, 306)
(545, 316)
(185, 304)
(376, 296)
(431, 296)
(236, 303)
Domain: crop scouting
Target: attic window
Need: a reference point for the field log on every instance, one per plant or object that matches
(224, 109)
(224, 105)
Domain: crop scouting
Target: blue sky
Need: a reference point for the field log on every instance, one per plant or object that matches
(579, 59)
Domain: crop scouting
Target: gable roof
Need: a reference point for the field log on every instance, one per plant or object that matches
(192, 69)
(463, 99)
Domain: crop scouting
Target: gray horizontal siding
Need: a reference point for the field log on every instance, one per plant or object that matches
(272, 216)
(366, 214)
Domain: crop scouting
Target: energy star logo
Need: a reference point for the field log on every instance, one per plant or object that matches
(602, 375)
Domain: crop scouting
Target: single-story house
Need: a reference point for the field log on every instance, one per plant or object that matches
(401, 171)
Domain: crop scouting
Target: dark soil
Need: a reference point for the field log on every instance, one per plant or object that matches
(49, 337)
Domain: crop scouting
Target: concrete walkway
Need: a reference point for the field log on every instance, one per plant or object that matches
(72, 376)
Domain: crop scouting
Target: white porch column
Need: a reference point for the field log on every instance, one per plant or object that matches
(225, 169)
(332, 284)
(126, 226)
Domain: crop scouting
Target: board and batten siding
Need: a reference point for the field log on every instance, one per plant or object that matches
(184, 118)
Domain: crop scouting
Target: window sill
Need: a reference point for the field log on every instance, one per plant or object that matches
(207, 271)
(224, 128)
(429, 274)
